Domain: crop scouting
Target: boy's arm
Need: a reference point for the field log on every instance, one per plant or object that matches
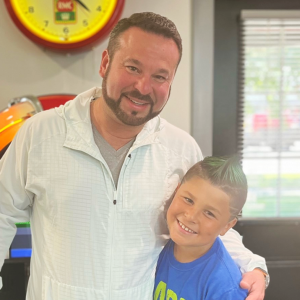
(247, 262)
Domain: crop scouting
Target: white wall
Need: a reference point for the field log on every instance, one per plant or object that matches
(26, 68)
(202, 74)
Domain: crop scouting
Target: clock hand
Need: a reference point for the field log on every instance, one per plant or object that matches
(82, 4)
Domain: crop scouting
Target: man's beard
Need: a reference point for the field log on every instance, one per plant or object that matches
(128, 119)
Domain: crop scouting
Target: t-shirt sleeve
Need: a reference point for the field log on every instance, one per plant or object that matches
(234, 294)
(243, 257)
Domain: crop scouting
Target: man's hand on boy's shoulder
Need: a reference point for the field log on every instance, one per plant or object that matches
(254, 282)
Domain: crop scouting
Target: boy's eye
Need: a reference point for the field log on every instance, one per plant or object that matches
(209, 214)
(188, 200)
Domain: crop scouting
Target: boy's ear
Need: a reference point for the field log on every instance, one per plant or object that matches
(229, 225)
(174, 193)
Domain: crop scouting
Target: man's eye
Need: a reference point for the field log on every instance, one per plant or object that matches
(160, 78)
(132, 69)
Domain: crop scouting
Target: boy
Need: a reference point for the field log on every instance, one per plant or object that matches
(194, 265)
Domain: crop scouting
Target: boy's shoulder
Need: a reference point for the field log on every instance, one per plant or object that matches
(165, 253)
(212, 276)
(224, 261)
(224, 275)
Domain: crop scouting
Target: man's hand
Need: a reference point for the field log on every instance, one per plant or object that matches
(254, 282)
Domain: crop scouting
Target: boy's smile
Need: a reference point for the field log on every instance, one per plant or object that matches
(198, 213)
(185, 228)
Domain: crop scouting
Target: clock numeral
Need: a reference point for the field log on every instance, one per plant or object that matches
(46, 23)
(31, 9)
(85, 23)
(66, 30)
(99, 8)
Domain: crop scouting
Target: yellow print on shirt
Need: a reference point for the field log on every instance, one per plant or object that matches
(160, 293)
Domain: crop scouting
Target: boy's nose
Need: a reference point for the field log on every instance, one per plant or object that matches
(191, 214)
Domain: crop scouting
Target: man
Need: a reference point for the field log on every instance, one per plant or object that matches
(97, 217)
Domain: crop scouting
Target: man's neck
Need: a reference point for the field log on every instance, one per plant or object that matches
(112, 130)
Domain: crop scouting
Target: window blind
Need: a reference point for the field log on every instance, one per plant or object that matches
(269, 112)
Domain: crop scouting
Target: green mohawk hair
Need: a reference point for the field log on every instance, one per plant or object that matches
(224, 169)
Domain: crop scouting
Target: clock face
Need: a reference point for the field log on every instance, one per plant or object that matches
(65, 24)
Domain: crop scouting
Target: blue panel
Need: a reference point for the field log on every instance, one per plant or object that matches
(25, 231)
(16, 253)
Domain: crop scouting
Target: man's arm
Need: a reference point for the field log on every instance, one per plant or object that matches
(254, 282)
(253, 279)
(243, 257)
(15, 201)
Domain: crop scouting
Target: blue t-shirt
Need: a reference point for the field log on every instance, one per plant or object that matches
(214, 276)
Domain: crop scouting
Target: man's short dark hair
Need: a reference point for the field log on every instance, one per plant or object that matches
(225, 173)
(149, 22)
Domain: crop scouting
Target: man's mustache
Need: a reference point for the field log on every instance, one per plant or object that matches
(136, 94)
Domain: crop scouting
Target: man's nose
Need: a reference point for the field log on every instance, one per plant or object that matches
(144, 85)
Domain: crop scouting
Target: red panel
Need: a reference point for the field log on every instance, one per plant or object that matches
(50, 101)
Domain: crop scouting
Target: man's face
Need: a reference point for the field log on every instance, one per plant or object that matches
(198, 213)
(137, 81)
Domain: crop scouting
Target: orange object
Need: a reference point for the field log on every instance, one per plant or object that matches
(11, 119)
(22, 108)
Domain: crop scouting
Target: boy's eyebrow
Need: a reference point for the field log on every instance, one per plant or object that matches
(213, 209)
(190, 195)
(208, 207)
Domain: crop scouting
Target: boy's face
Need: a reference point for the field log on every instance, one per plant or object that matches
(198, 213)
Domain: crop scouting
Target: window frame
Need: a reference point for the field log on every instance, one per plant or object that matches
(226, 68)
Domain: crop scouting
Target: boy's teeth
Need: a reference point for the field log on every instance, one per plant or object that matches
(186, 228)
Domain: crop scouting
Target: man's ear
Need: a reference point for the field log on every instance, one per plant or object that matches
(229, 225)
(104, 63)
